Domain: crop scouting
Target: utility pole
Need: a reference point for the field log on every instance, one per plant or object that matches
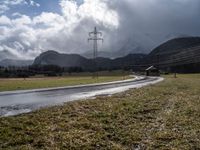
(158, 60)
(174, 62)
(95, 36)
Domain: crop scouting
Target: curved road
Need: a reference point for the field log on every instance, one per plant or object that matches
(17, 102)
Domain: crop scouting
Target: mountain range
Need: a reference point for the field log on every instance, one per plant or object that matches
(175, 52)
(5, 54)
(16, 63)
(178, 51)
(75, 60)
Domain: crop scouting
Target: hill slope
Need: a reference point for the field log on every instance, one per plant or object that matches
(62, 60)
(174, 49)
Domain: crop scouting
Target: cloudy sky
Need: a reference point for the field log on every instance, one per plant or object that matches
(29, 27)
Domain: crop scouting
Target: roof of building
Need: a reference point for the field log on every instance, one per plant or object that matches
(151, 68)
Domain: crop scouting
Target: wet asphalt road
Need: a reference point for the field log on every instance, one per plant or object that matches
(17, 102)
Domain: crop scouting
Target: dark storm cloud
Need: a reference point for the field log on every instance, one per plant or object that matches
(147, 23)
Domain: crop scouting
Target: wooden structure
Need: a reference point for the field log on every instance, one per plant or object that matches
(152, 71)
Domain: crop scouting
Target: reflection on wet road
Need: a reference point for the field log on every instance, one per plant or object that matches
(13, 103)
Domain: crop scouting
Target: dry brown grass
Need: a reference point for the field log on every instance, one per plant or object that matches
(163, 116)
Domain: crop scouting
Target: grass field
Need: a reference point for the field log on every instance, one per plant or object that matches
(162, 116)
(47, 82)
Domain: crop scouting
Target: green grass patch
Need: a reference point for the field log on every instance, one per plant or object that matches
(36, 83)
(162, 116)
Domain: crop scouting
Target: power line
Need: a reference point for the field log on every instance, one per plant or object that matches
(175, 60)
(95, 36)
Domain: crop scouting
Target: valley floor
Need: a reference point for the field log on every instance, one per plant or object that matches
(11, 84)
(162, 116)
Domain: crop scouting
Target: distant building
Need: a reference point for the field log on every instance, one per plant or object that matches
(152, 71)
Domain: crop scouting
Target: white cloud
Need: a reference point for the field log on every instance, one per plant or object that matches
(4, 20)
(126, 24)
(99, 11)
(64, 32)
(22, 20)
(6, 4)
(3, 8)
(13, 2)
(33, 3)
(49, 19)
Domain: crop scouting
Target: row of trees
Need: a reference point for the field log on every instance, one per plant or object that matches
(47, 70)
(50, 70)
(53, 70)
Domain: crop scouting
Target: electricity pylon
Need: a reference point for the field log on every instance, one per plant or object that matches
(95, 36)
